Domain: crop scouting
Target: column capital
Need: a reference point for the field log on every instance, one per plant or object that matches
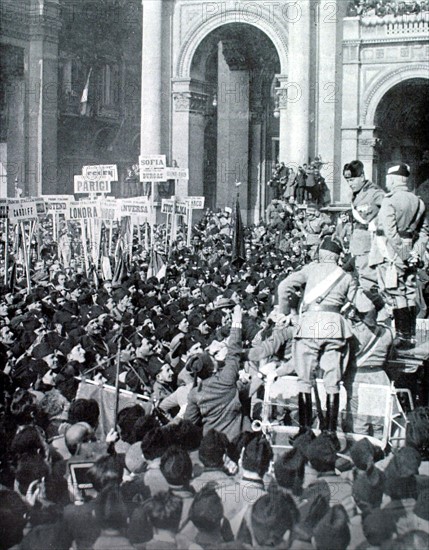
(192, 102)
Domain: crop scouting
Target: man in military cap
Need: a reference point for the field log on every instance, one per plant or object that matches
(366, 202)
(398, 248)
(322, 335)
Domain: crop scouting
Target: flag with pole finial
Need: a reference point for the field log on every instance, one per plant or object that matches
(238, 248)
(84, 105)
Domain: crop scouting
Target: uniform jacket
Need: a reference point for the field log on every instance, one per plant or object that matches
(401, 211)
(215, 402)
(365, 206)
(323, 324)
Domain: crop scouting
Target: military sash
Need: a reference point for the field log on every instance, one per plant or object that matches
(321, 290)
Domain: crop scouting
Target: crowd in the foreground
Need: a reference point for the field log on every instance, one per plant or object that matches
(163, 479)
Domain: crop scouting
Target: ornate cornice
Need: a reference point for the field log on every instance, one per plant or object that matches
(192, 102)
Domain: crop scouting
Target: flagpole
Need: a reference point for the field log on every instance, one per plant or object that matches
(6, 250)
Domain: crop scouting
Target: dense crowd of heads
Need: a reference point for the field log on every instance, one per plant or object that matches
(156, 480)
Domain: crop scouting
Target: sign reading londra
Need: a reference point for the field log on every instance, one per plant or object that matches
(82, 210)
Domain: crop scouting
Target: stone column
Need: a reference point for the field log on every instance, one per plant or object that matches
(190, 107)
(282, 105)
(233, 126)
(366, 145)
(298, 85)
(255, 182)
(151, 87)
(42, 98)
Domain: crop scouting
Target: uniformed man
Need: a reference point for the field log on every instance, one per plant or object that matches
(399, 246)
(366, 202)
(322, 335)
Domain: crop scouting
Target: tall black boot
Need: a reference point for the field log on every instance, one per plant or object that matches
(333, 417)
(302, 415)
(412, 312)
(308, 410)
(402, 339)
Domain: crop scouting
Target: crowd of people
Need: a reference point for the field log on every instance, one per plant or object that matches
(181, 466)
(382, 8)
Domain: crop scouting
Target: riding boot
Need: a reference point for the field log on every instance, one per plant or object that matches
(333, 417)
(402, 339)
(412, 312)
(308, 410)
(302, 416)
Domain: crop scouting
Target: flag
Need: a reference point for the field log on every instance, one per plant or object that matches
(157, 267)
(84, 106)
(238, 248)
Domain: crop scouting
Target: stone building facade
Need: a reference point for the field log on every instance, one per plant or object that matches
(225, 89)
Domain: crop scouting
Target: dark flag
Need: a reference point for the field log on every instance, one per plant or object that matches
(238, 248)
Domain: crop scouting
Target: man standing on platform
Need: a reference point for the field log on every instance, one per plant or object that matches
(366, 202)
(398, 248)
(322, 336)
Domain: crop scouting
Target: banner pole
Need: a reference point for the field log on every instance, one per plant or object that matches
(6, 250)
(118, 365)
(85, 251)
(24, 249)
(189, 221)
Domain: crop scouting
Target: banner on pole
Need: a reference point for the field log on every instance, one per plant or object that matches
(153, 168)
(82, 210)
(134, 205)
(177, 173)
(57, 204)
(107, 208)
(104, 172)
(195, 203)
(171, 206)
(22, 209)
(83, 185)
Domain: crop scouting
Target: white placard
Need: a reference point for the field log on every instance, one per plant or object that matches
(152, 168)
(82, 210)
(22, 209)
(177, 173)
(82, 185)
(57, 203)
(107, 172)
(107, 208)
(196, 203)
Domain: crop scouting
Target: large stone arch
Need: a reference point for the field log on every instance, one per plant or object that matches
(193, 38)
(383, 84)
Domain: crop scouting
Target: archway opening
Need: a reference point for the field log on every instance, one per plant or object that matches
(402, 121)
(237, 64)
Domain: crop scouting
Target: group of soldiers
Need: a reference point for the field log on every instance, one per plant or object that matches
(388, 243)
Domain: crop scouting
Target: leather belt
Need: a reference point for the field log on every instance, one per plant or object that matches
(321, 307)
(402, 234)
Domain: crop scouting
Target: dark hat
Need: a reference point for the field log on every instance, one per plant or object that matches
(176, 466)
(272, 515)
(200, 365)
(363, 454)
(212, 449)
(332, 532)
(378, 526)
(154, 365)
(368, 487)
(314, 508)
(322, 453)
(421, 508)
(401, 474)
(302, 442)
(331, 245)
(154, 443)
(401, 169)
(49, 343)
(288, 467)
(257, 455)
(353, 169)
(206, 510)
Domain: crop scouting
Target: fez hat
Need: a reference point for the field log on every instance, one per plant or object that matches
(353, 169)
(401, 169)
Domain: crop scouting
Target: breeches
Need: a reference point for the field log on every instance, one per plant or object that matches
(367, 275)
(405, 293)
(329, 354)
